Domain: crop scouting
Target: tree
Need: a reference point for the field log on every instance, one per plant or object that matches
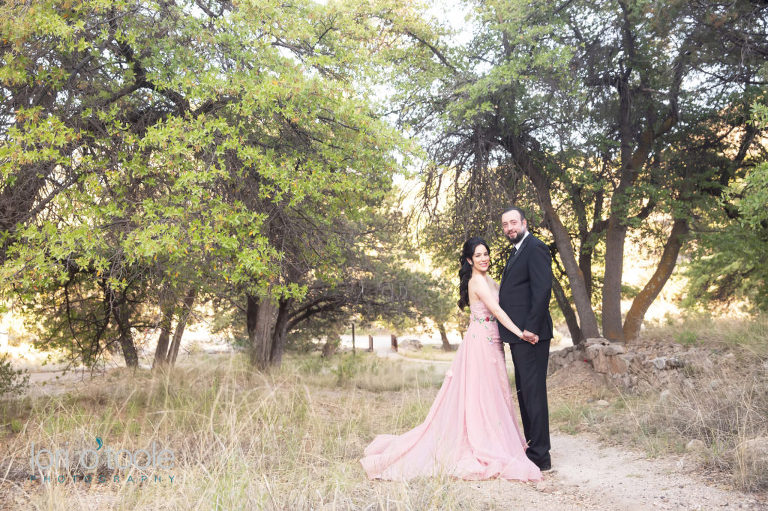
(728, 262)
(604, 118)
(376, 280)
(157, 153)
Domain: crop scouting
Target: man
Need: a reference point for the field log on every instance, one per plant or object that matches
(524, 294)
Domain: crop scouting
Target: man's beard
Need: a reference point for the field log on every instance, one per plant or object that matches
(517, 239)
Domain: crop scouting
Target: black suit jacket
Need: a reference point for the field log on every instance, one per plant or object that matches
(525, 291)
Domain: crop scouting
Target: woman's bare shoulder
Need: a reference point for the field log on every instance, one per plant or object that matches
(476, 284)
(480, 285)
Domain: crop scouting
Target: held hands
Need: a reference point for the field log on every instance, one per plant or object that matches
(530, 337)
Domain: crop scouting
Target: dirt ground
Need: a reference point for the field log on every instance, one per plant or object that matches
(589, 476)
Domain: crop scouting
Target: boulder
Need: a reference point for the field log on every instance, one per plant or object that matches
(410, 345)
(561, 358)
(755, 449)
(674, 363)
(662, 363)
(605, 357)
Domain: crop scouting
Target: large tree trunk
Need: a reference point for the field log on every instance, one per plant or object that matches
(125, 338)
(251, 314)
(189, 301)
(281, 329)
(635, 150)
(161, 352)
(585, 265)
(616, 232)
(261, 329)
(444, 337)
(577, 337)
(614, 269)
(581, 296)
(653, 287)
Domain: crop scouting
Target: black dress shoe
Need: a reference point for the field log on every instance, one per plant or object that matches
(544, 465)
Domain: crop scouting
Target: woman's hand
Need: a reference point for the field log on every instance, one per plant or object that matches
(529, 337)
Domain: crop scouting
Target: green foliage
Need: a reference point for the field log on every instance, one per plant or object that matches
(604, 117)
(629, 291)
(347, 366)
(729, 262)
(176, 147)
(12, 381)
(686, 337)
(728, 265)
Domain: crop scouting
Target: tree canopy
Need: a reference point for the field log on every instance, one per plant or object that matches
(162, 150)
(600, 118)
(158, 155)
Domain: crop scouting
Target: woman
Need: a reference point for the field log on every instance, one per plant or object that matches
(471, 431)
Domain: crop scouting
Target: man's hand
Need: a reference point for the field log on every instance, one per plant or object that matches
(530, 337)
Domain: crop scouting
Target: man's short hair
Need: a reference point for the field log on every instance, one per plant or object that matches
(514, 208)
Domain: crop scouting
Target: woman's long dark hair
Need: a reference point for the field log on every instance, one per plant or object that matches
(466, 269)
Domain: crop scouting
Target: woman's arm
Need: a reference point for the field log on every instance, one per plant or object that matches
(482, 291)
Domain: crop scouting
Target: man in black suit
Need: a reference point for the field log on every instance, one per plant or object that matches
(524, 294)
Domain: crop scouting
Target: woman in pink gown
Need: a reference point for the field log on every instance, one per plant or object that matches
(471, 430)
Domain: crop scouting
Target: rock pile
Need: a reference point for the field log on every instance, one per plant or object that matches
(633, 365)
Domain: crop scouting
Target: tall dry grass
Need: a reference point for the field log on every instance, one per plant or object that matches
(722, 402)
(746, 336)
(287, 439)
(726, 410)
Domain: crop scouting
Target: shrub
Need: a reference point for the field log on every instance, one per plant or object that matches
(12, 381)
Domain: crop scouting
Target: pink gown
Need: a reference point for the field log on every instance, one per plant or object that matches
(471, 429)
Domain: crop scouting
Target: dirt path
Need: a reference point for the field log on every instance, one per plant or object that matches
(589, 476)
(615, 478)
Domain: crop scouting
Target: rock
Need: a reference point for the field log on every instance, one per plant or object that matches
(564, 357)
(755, 448)
(633, 360)
(614, 349)
(605, 359)
(595, 340)
(695, 445)
(664, 396)
(696, 359)
(603, 403)
(410, 345)
(674, 363)
(659, 363)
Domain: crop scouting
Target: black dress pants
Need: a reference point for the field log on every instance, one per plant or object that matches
(531, 362)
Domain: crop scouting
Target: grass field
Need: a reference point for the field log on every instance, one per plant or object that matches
(291, 438)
